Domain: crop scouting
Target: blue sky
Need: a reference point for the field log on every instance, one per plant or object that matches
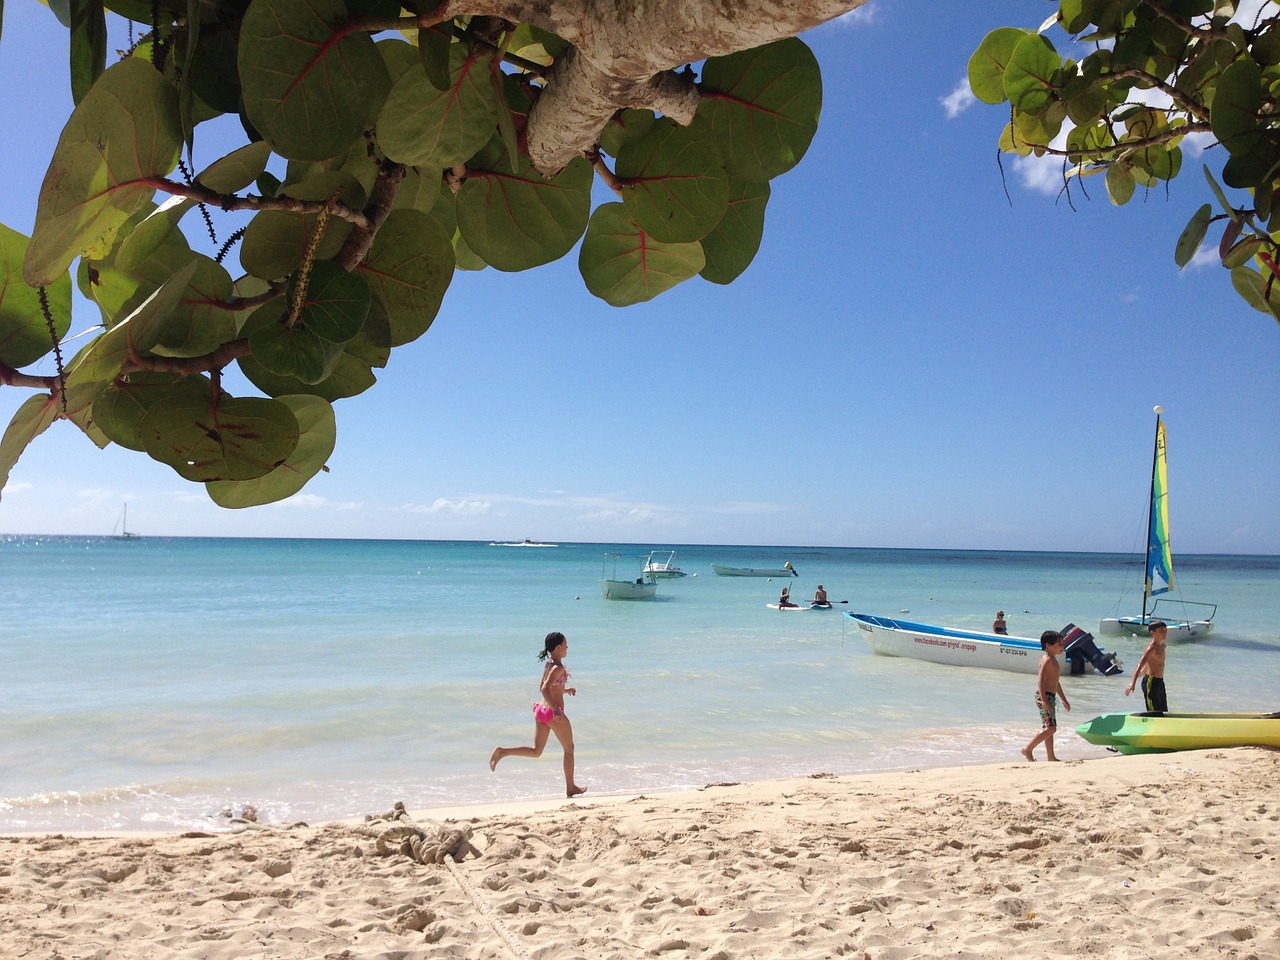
(911, 361)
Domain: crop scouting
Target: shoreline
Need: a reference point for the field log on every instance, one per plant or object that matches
(1114, 856)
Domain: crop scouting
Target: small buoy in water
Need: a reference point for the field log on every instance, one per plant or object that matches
(904, 611)
(577, 598)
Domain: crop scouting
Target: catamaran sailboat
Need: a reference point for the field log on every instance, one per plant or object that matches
(1159, 569)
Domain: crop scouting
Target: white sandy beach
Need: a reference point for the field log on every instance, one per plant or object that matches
(1122, 857)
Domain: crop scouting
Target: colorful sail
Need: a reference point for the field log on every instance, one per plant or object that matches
(1159, 557)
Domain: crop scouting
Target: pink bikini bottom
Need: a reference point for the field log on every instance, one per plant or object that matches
(544, 714)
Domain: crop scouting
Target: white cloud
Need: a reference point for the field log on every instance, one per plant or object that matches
(857, 17)
(958, 100)
(16, 488)
(460, 507)
(309, 501)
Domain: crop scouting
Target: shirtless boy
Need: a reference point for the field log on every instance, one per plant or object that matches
(1151, 669)
(1048, 690)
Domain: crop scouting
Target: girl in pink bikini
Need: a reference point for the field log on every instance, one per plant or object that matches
(548, 713)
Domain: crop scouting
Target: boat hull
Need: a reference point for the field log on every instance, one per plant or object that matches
(1168, 732)
(722, 571)
(960, 648)
(1137, 626)
(628, 590)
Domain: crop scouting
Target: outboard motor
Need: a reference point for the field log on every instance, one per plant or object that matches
(1080, 650)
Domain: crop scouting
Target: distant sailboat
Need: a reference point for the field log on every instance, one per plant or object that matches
(121, 530)
(1159, 567)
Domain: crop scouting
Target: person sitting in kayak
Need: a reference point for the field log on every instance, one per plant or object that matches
(785, 599)
(820, 595)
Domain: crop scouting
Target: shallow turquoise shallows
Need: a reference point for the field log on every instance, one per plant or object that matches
(151, 683)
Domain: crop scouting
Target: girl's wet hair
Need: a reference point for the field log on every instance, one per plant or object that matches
(554, 639)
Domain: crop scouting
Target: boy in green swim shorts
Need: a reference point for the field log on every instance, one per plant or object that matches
(1048, 690)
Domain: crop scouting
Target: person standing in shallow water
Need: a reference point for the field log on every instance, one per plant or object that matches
(999, 625)
(548, 713)
(1151, 669)
(1048, 690)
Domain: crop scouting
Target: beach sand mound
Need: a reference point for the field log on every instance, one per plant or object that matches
(1124, 857)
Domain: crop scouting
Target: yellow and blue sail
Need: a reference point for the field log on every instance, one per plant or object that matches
(1159, 557)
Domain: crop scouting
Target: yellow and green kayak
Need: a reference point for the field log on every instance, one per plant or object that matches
(1166, 732)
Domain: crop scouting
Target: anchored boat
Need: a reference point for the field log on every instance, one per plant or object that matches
(1159, 568)
(786, 570)
(971, 648)
(616, 585)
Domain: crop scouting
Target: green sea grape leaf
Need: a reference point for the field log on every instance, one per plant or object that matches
(1233, 114)
(237, 170)
(352, 372)
(310, 85)
(624, 127)
(732, 244)
(673, 182)
(119, 142)
(419, 189)
(1252, 286)
(1243, 251)
(1032, 74)
(433, 54)
(138, 244)
(29, 421)
(275, 241)
(238, 438)
(514, 218)
(622, 265)
(989, 62)
(102, 360)
(200, 322)
(422, 126)
(88, 45)
(119, 409)
(24, 334)
(1193, 235)
(293, 351)
(1120, 184)
(317, 435)
(408, 270)
(763, 106)
(336, 303)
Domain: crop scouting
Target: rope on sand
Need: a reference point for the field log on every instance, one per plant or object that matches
(396, 832)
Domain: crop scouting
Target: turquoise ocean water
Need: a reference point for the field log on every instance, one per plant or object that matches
(148, 684)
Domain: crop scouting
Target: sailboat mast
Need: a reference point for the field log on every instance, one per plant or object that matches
(1151, 514)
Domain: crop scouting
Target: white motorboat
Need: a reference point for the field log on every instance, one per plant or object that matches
(615, 586)
(786, 570)
(662, 564)
(971, 648)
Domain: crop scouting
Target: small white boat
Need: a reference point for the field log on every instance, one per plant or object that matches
(643, 586)
(520, 543)
(786, 570)
(662, 564)
(971, 648)
(1158, 578)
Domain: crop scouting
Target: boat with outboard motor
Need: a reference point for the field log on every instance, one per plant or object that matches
(614, 587)
(972, 648)
(662, 564)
